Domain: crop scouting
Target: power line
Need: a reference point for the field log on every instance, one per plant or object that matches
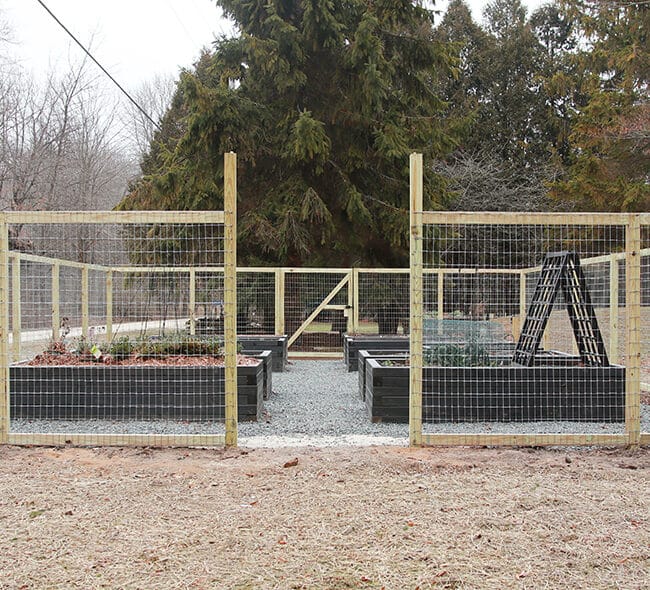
(100, 66)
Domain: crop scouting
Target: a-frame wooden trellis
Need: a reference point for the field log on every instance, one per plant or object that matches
(562, 270)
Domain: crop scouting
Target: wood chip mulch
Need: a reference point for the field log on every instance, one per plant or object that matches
(75, 360)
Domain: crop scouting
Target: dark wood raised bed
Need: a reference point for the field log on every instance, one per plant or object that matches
(131, 392)
(276, 344)
(363, 355)
(558, 390)
(352, 344)
(266, 356)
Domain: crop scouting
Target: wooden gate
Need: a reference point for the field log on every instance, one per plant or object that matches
(317, 308)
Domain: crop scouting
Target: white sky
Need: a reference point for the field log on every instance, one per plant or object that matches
(133, 39)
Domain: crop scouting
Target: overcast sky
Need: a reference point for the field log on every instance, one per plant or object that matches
(133, 39)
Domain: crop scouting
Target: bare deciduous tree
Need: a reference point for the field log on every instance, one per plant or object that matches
(61, 147)
(484, 182)
(155, 97)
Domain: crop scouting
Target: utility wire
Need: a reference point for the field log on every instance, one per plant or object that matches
(100, 66)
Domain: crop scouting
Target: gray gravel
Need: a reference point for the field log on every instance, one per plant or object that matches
(315, 403)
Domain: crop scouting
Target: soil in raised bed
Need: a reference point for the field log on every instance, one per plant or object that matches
(73, 359)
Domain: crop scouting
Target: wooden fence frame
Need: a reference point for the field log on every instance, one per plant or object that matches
(227, 218)
(632, 256)
(418, 218)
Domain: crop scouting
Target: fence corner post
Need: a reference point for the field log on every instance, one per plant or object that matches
(4, 331)
(633, 325)
(417, 318)
(230, 295)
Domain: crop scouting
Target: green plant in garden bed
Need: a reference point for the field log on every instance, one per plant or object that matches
(122, 347)
(470, 354)
(125, 347)
(178, 345)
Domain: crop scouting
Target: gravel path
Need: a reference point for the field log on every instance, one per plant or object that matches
(315, 403)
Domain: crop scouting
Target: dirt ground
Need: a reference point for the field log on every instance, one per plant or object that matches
(393, 518)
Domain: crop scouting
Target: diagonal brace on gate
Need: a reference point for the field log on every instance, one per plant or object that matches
(323, 305)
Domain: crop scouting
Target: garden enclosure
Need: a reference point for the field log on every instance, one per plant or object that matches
(160, 284)
(491, 265)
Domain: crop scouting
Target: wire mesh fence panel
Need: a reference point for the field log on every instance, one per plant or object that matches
(382, 301)
(531, 338)
(256, 303)
(108, 344)
(315, 303)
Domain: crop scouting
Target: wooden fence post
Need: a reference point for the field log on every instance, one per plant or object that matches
(355, 301)
(192, 301)
(56, 303)
(279, 301)
(4, 331)
(441, 301)
(349, 313)
(633, 324)
(518, 323)
(84, 301)
(109, 306)
(230, 294)
(416, 319)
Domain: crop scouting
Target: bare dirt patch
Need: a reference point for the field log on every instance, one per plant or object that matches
(373, 517)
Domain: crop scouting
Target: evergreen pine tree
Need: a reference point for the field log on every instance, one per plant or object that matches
(323, 100)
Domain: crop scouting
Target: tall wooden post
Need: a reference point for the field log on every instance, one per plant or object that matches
(16, 315)
(416, 319)
(4, 332)
(633, 324)
(230, 294)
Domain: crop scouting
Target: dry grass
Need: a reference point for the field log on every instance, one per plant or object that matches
(391, 518)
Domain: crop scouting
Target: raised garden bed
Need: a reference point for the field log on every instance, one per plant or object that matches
(174, 378)
(276, 344)
(266, 356)
(556, 388)
(194, 393)
(363, 355)
(352, 344)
